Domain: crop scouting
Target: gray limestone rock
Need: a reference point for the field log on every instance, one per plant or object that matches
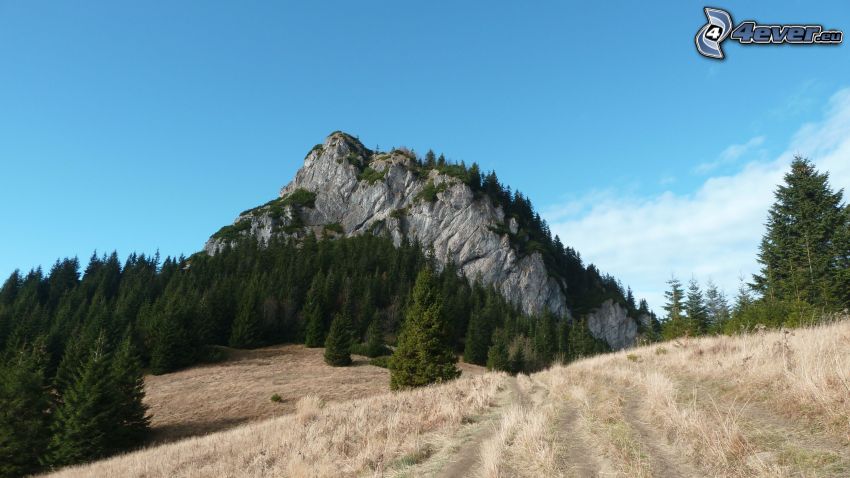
(358, 192)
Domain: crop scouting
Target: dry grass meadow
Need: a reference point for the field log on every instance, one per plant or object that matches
(768, 404)
(214, 397)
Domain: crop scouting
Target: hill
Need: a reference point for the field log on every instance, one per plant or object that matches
(458, 214)
(765, 404)
(346, 238)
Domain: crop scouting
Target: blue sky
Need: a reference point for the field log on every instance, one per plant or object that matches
(140, 126)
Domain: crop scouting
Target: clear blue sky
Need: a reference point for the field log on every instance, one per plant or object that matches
(140, 126)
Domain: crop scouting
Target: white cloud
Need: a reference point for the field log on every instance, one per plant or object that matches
(712, 232)
(730, 155)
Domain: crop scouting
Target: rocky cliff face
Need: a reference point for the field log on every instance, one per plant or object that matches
(343, 188)
(610, 323)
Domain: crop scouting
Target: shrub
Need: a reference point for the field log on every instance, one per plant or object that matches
(299, 197)
(334, 227)
(382, 361)
(231, 233)
(399, 213)
(430, 191)
(371, 175)
(276, 398)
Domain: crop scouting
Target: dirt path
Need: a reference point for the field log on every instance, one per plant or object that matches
(575, 450)
(664, 459)
(465, 461)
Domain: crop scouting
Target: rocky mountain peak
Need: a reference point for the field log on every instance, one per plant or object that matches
(343, 188)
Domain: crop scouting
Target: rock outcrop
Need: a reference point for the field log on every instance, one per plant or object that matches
(611, 323)
(343, 188)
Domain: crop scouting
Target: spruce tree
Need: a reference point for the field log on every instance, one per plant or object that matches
(424, 353)
(675, 324)
(717, 307)
(131, 420)
(247, 329)
(168, 352)
(338, 343)
(83, 421)
(803, 253)
(477, 340)
(375, 338)
(696, 310)
(314, 314)
(545, 340)
(497, 354)
(24, 413)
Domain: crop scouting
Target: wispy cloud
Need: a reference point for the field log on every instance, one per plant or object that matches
(712, 232)
(730, 155)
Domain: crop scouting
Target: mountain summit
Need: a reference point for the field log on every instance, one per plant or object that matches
(492, 236)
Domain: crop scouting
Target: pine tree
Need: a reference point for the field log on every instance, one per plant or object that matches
(338, 343)
(424, 353)
(803, 249)
(247, 330)
(131, 420)
(517, 356)
(696, 310)
(743, 300)
(581, 342)
(477, 340)
(497, 355)
(168, 352)
(375, 338)
(314, 315)
(717, 307)
(675, 324)
(24, 413)
(83, 421)
(545, 341)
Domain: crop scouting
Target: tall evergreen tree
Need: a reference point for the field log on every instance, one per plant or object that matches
(83, 421)
(695, 309)
(497, 354)
(803, 247)
(131, 422)
(545, 340)
(247, 330)
(743, 299)
(338, 343)
(24, 413)
(477, 339)
(424, 354)
(314, 314)
(717, 307)
(375, 346)
(675, 324)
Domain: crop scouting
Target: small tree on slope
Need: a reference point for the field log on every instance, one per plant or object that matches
(338, 343)
(424, 354)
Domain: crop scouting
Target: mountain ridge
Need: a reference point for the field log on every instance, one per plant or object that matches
(343, 188)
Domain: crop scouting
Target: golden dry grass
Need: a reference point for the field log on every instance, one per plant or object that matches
(214, 397)
(767, 404)
(382, 434)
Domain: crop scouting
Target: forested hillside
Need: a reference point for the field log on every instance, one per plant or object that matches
(75, 344)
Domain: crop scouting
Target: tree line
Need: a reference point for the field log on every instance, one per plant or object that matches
(75, 344)
(804, 259)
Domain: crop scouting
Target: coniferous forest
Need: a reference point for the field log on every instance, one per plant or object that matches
(76, 341)
(804, 257)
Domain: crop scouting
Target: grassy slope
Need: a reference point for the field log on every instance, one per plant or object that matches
(768, 404)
